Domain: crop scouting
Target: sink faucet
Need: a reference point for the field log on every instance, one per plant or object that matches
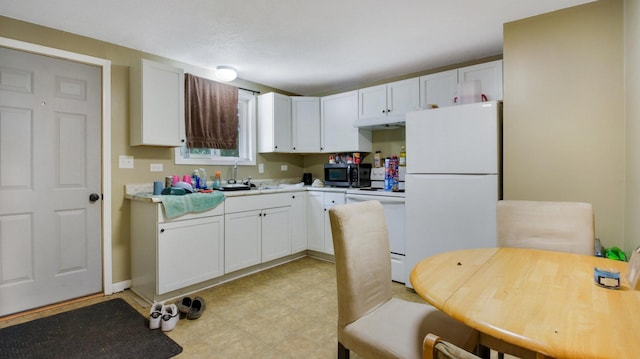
(235, 173)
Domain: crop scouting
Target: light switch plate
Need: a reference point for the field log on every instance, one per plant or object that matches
(155, 167)
(260, 167)
(125, 161)
(284, 167)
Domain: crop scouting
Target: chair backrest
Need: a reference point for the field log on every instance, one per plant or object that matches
(556, 226)
(363, 259)
(435, 348)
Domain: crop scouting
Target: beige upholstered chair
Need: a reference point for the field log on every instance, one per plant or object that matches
(554, 226)
(435, 348)
(370, 321)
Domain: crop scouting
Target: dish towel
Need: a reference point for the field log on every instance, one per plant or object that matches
(175, 206)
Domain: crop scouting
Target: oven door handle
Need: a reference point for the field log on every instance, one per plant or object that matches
(382, 199)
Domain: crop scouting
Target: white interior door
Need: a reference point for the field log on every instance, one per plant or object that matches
(50, 164)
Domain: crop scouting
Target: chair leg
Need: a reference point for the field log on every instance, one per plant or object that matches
(343, 353)
(483, 351)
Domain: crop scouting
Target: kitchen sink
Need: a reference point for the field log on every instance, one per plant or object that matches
(234, 187)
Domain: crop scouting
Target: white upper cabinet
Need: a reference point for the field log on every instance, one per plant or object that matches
(305, 116)
(156, 105)
(274, 123)
(338, 113)
(441, 88)
(490, 76)
(392, 99)
(438, 89)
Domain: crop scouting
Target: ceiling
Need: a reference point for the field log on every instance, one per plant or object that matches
(304, 47)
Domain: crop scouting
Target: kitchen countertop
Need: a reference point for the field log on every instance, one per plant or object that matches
(144, 192)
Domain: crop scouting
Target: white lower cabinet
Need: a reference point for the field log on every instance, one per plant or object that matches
(319, 236)
(257, 229)
(315, 221)
(190, 251)
(168, 255)
(243, 241)
(299, 222)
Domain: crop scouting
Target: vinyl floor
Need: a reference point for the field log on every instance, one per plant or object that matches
(289, 311)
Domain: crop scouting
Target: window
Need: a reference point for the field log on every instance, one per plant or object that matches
(245, 154)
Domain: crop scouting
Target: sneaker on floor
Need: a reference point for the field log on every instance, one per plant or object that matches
(170, 317)
(197, 307)
(155, 315)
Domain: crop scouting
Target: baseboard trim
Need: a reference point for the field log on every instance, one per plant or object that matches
(120, 286)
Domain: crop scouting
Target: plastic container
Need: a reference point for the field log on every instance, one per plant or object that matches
(402, 162)
(217, 182)
(377, 160)
(391, 174)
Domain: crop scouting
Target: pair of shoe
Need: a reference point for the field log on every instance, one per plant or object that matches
(191, 309)
(163, 316)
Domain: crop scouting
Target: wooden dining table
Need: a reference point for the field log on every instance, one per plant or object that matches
(545, 303)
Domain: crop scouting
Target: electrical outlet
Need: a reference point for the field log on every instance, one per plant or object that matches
(125, 161)
(284, 167)
(155, 167)
(260, 167)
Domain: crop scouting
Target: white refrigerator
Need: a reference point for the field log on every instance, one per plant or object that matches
(453, 179)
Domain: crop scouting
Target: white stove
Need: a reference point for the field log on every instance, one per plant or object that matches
(377, 184)
(393, 204)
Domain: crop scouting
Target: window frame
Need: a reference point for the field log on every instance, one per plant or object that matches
(246, 137)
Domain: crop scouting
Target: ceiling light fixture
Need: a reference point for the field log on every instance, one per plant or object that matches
(226, 73)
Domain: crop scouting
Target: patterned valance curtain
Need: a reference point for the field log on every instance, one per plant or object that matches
(211, 113)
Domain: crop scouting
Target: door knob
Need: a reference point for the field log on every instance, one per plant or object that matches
(94, 197)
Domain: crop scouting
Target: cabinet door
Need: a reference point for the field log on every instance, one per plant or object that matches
(157, 105)
(315, 221)
(305, 118)
(338, 113)
(403, 96)
(243, 246)
(299, 222)
(330, 200)
(490, 76)
(189, 252)
(276, 233)
(372, 102)
(438, 89)
(274, 123)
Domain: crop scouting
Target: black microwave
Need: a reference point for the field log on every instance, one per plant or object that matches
(347, 175)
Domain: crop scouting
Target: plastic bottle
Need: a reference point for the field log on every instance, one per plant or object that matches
(217, 181)
(195, 179)
(377, 160)
(403, 157)
(203, 179)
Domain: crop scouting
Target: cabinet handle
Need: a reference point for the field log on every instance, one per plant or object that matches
(383, 111)
(260, 215)
(294, 148)
(162, 230)
(182, 140)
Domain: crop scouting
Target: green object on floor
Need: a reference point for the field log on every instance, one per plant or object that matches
(615, 253)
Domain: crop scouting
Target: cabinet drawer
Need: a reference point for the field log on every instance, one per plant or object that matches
(260, 201)
(331, 199)
(217, 211)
